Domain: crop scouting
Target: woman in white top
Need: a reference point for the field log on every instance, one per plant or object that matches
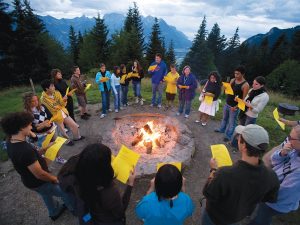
(115, 85)
(255, 101)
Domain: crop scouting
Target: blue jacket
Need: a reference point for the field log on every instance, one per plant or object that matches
(155, 212)
(159, 72)
(187, 94)
(287, 169)
(100, 84)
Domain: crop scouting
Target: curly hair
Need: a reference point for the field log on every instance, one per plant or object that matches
(15, 122)
(27, 99)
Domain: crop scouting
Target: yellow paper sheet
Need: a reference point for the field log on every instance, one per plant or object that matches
(241, 104)
(104, 79)
(124, 163)
(221, 155)
(135, 75)
(47, 140)
(67, 91)
(183, 86)
(208, 99)
(53, 150)
(177, 164)
(72, 91)
(228, 88)
(56, 117)
(152, 68)
(276, 117)
(88, 86)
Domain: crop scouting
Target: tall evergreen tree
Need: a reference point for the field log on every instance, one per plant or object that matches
(295, 48)
(155, 44)
(170, 55)
(74, 48)
(80, 38)
(279, 52)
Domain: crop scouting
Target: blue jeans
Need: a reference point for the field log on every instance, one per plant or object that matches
(187, 105)
(157, 88)
(124, 93)
(105, 95)
(263, 215)
(117, 97)
(229, 121)
(47, 191)
(136, 85)
(205, 219)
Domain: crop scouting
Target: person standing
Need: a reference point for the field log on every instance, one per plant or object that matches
(31, 166)
(115, 86)
(187, 85)
(103, 81)
(171, 90)
(232, 192)
(79, 85)
(157, 69)
(124, 81)
(285, 161)
(136, 76)
(212, 88)
(62, 86)
(240, 89)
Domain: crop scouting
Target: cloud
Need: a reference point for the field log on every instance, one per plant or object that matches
(251, 16)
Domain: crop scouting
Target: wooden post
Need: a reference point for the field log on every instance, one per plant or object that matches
(32, 85)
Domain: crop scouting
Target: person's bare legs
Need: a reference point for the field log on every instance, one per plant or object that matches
(62, 130)
(73, 126)
(205, 118)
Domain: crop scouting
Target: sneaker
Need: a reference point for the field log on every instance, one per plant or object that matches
(136, 100)
(61, 210)
(142, 102)
(121, 108)
(110, 110)
(203, 124)
(66, 130)
(178, 114)
(116, 110)
(102, 116)
(217, 131)
(159, 106)
(69, 143)
(197, 121)
(186, 116)
(151, 105)
(60, 160)
(79, 139)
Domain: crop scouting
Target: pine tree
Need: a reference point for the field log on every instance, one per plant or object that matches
(295, 48)
(234, 42)
(156, 43)
(74, 48)
(80, 38)
(170, 55)
(279, 52)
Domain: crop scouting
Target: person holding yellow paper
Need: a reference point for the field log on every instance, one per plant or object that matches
(255, 102)
(165, 202)
(137, 74)
(232, 192)
(240, 88)
(89, 177)
(212, 90)
(124, 81)
(171, 90)
(62, 86)
(31, 166)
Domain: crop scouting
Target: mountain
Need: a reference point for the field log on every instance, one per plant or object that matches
(59, 28)
(272, 36)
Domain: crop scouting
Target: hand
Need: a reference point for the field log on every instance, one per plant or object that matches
(180, 86)
(248, 104)
(233, 109)
(46, 123)
(287, 147)
(213, 163)
(131, 178)
(65, 98)
(55, 180)
(187, 87)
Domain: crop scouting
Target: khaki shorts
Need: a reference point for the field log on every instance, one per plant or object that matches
(82, 101)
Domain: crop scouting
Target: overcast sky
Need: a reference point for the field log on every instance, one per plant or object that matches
(251, 16)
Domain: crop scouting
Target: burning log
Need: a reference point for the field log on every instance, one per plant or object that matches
(147, 129)
(157, 142)
(148, 145)
(138, 139)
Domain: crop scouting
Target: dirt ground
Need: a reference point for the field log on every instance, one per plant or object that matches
(19, 205)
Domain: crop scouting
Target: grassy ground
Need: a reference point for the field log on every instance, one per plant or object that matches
(11, 101)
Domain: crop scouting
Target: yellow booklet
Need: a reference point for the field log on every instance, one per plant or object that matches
(177, 164)
(208, 99)
(57, 117)
(70, 92)
(228, 88)
(53, 150)
(221, 155)
(152, 68)
(276, 117)
(47, 140)
(88, 86)
(124, 163)
(104, 79)
(241, 104)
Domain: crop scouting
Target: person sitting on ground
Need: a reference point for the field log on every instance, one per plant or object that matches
(285, 161)
(255, 102)
(62, 86)
(102, 79)
(232, 192)
(79, 85)
(30, 165)
(54, 102)
(41, 125)
(187, 85)
(211, 88)
(90, 177)
(165, 202)
(171, 90)
(124, 81)
(115, 86)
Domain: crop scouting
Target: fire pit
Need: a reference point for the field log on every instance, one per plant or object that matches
(157, 138)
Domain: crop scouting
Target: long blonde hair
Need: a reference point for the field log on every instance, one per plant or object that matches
(27, 98)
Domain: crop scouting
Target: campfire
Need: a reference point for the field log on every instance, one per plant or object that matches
(148, 137)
